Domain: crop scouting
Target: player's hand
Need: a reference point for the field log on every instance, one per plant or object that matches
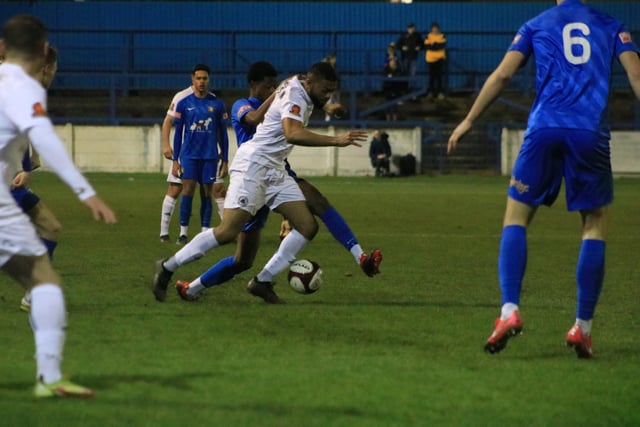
(457, 134)
(167, 152)
(353, 137)
(176, 169)
(223, 170)
(100, 211)
(20, 180)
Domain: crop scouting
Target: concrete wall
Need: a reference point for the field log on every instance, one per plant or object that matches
(139, 149)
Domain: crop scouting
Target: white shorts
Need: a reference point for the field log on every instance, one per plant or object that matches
(17, 235)
(253, 185)
(171, 178)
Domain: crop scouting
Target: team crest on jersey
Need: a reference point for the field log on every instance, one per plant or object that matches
(243, 201)
(210, 109)
(625, 37)
(295, 109)
(38, 110)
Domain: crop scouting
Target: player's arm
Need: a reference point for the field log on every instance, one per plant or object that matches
(490, 91)
(167, 124)
(631, 63)
(178, 136)
(255, 117)
(295, 133)
(223, 143)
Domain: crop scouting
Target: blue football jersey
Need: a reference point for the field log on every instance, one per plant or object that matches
(200, 128)
(574, 47)
(241, 107)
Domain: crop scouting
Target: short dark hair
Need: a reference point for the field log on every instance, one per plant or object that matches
(200, 67)
(258, 71)
(323, 70)
(24, 34)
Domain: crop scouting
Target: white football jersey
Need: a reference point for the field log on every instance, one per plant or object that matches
(23, 113)
(269, 146)
(177, 98)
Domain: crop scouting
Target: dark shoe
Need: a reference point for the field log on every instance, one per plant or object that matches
(263, 290)
(370, 264)
(161, 280)
(165, 238)
(182, 240)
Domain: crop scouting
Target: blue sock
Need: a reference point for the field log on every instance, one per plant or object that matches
(206, 209)
(338, 228)
(589, 276)
(512, 262)
(51, 246)
(221, 272)
(185, 209)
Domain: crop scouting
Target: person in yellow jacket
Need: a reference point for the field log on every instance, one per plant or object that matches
(435, 44)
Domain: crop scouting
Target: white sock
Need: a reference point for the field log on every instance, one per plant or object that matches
(585, 325)
(195, 287)
(507, 310)
(286, 254)
(48, 321)
(168, 205)
(195, 249)
(357, 252)
(220, 204)
(184, 229)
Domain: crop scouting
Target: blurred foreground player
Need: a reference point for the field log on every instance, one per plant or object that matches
(23, 119)
(47, 225)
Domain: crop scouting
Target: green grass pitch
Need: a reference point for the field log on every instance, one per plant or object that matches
(402, 349)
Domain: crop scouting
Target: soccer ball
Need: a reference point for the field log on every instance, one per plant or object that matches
(305, 276)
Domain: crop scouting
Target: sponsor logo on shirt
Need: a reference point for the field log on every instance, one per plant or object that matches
(38, 110)
(625, 37)
(295, 109)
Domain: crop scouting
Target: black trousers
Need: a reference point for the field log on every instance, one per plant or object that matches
(436, 69)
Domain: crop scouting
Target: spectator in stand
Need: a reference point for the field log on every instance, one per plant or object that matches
(391, 87)
(380, 153)
(435, 44)
(409, 44)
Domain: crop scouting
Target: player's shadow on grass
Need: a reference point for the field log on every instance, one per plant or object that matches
(357, 414)
(440, 304)
(178, 381)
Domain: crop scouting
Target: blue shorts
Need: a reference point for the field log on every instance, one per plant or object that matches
(548, 155)
(25, 198)
(258, 221)
(203, 171)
